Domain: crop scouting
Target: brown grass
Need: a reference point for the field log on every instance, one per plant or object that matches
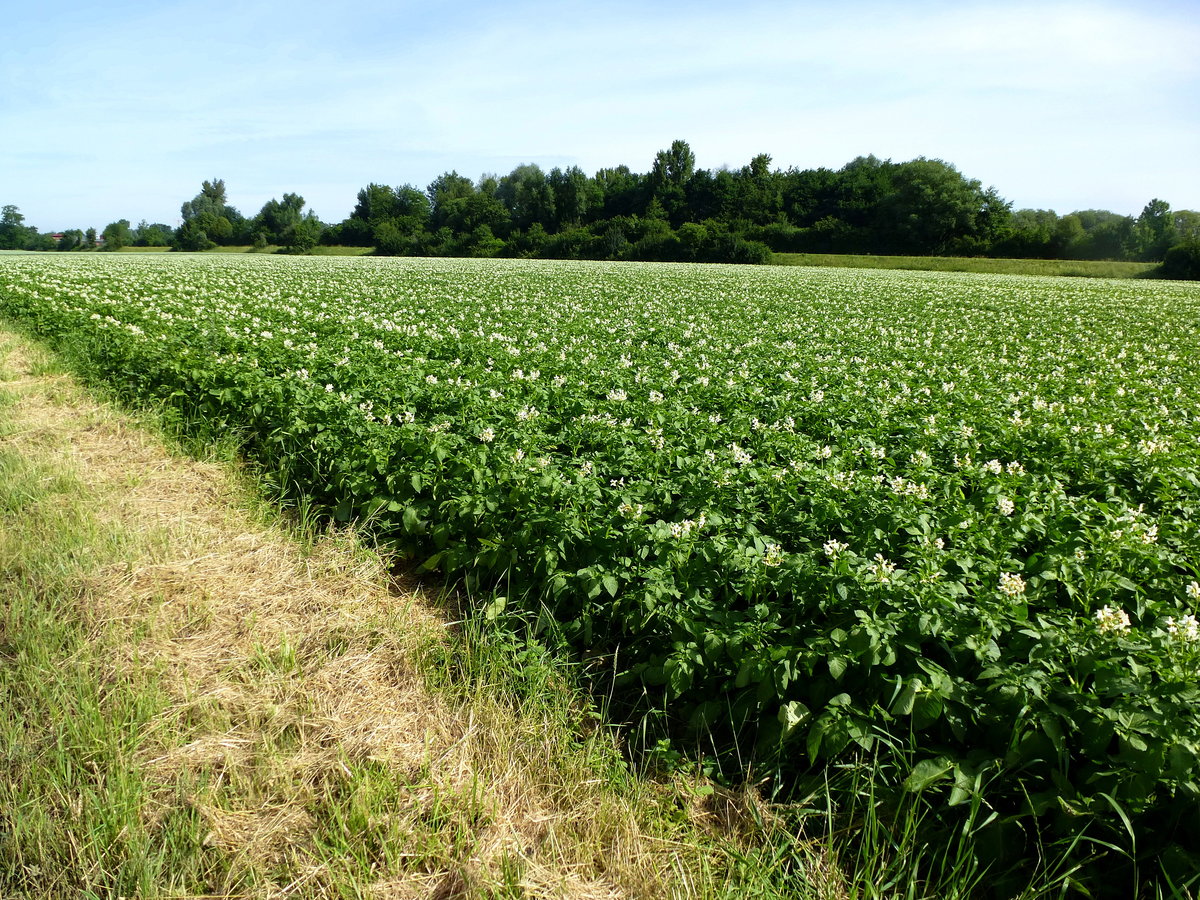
(296, 695)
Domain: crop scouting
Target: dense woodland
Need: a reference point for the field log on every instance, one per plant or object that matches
(673, 212)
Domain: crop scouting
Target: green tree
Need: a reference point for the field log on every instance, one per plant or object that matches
(210, 213)
(443, 191)
(152, 235)
(761, 195)
(1154, 232)
(676, 165)
(279, 218)
(694, 238)
(1107, 235)
(191, 236)
(573, 195)
(1070, 239)
(1187, 224)
(933, 209)
(72, 239)
(117, 235)
(672, 171)
(376, 203)
(36, 241)
(89, 239)
(527, 196)
(304, 234)
(14, 234)
(621, 192)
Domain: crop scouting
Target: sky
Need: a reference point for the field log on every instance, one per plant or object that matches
(121, 109)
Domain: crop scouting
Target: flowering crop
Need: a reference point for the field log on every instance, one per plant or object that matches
(801, 509)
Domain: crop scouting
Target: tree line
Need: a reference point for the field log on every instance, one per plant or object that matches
(675, 212)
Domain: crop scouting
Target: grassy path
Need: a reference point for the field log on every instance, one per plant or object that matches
(201, 704)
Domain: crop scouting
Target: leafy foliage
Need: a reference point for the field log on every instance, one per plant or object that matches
(1183, 261)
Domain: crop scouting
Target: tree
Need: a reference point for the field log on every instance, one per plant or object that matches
(304, 234)
(279, 218)
(621, 192)
(933, 209)
(1107, 235)
(675, 165)
(152, 235)
(376, 203)
(672, 171)
(1154, 232)
(117, 235)
(527, 196)
(761, 197)
(208, 212)
(442, 193)
(14, 234)
(1187, 225)
(1070, 239)
(571, 193)
(37, 241)
(72, 239)
(190, 236)
(89, 239)
(457, 204)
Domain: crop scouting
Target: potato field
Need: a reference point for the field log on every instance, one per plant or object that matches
(788, 515)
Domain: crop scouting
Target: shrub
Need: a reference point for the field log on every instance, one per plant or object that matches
(1182, 262)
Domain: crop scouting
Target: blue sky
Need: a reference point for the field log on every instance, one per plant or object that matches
(121, 109)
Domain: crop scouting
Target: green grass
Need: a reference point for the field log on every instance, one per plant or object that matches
(1082, 268)
(73, 796)
(322, 250)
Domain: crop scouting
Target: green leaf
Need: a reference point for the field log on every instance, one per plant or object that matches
(927, 772)
(791, 715)
(903, 704)
(495, 609)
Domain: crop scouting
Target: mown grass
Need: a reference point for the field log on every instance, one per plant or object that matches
(1082, 268)
(72, 796)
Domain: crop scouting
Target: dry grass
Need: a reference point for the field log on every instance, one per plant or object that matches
(300, 726)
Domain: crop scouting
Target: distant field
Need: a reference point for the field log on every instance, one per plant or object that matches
(1081, 268)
